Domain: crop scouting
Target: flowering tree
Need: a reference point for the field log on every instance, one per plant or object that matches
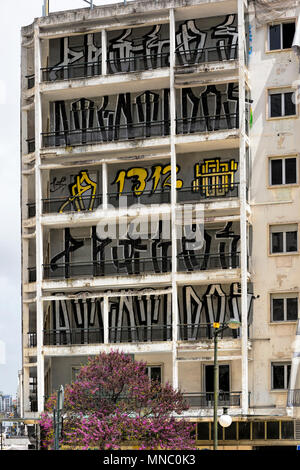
(113, 401)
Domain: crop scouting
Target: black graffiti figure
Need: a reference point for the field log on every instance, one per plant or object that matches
(123, 119)
(190, 42)
(121, 52)
(155, 50)
(106, 120)
(99, 245)
(160, 252)
(226, 30)
(148, 112)
(232, 101)
(194, 261)
(212, 116)
(61, 124)
(71, 245)
(190, 109)
(82, 114)
(229, 259)
(131, 256)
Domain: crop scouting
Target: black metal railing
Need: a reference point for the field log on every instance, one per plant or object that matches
(74, 204)
(30, 145)
(160, 196)
(31, 339)
(140, 334)
(75, 336)
(207, 123)
(33, 405)
(32, 274)
(138, 63)
(31, 208)
(30, 81)
(207, 54)
(196, 193)
(192, 262)
(293, 397)
(206, 399)
(199, 331)
(112, 133)
(122, 267)
(71, 71)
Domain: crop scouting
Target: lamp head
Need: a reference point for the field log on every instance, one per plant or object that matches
(233, 324)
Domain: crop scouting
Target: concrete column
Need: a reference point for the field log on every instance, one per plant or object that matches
(173, 199)
(104, 51)
(104, 186)
(105, 320)
(243, 215)
(39, 231)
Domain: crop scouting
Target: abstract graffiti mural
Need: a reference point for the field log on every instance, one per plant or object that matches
(133, 255)
(215, 178)
(140, 115)
(140, 317)
(80, 197)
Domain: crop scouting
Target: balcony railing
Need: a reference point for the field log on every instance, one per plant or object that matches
(31, 209)
(138, 63)
(122, 267)
(112, 133)
(162, 196)
(31, 339)
(70, 71)
(207, 54)
(73, 337)
(293, 398)
(75, 203)
(195, 332)
(191, 194)
(30, 145)
(30, 81)
(206, 399)
(207, 123)
(32, 274)
(140, 334)
(207, 261)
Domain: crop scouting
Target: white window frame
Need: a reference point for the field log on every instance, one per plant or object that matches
(149, 366)
(282, 92)
(285, 372)
(281, 35)
(287, 157)
(284, 228)
(284, 296)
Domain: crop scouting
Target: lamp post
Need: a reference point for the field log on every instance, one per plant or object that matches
(232, 324)
(57, 418)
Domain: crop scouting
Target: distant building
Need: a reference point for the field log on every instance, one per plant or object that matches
(6, 403)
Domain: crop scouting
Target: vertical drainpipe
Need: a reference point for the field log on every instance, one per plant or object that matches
(173, 199)
(243, 217)
(39, 232)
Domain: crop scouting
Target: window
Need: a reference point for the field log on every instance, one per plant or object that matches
(281, 103)
(154, 373)
(280, 375)
(284, 307)
(283, 170)
(75, 372)
(283, 238)
(281, 36)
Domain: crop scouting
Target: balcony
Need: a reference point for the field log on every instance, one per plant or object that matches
(203, 331)
(206, 399)
(208, 261)
(31, 339)
(203, 193)
(71, 71)
(126, 334)
(205, 55)
(32, 274)
(31, 210)
(141, 130)
(30, 81)
(30, 145)
(200, 124)
(162, 196)
(107, 268)
(138, 63)
(72, 203)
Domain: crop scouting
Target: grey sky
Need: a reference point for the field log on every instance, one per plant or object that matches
(13, 16)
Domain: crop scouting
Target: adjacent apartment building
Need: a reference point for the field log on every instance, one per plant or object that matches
(143, 126)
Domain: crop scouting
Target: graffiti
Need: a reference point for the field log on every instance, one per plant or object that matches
(58, 184)
(127, 54)
(214, 178)
(216, 304)
(81, 186)
(190, 42)
(89, 52)
(226, 30)
(140, 176)
(134, 255)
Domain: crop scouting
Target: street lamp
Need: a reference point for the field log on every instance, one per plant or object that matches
(233, 325)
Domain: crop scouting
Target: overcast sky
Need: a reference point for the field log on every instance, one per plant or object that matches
(14, 15)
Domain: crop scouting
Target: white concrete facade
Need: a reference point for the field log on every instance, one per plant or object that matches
(78, 301)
